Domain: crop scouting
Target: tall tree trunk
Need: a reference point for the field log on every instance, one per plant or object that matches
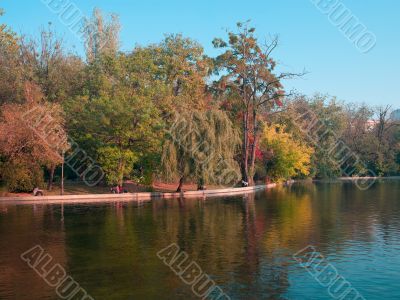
(51, 177)
(253, 149)
(179, 189)
(245, 148)
(253, 160)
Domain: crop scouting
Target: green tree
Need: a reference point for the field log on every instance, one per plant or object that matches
(115, 119)
(385, 142)
(11, 70)
(173, 73)
(320, 121)
(127, 128)
(45, 62)
(118, 124)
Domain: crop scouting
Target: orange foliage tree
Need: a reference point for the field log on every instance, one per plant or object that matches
(32, 136)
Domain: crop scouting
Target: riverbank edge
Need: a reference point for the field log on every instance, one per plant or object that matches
(135, 197)
(355, 178)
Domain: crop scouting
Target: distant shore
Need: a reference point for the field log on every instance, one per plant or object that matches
(356, 178)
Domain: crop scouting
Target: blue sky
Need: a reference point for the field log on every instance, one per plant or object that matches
(308, 40)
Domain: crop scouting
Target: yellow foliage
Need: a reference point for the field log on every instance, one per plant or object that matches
(287, 157)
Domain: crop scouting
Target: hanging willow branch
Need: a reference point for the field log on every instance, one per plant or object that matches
(201, 146)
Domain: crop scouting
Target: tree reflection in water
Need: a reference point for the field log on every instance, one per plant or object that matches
(244, 243)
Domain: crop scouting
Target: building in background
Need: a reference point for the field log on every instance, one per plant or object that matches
(395, 116)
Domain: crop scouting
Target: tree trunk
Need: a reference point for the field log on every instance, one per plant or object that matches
(51, 177)
(245, 149)
(200, 185)
(253, 148)
(179, 189)
(253, 161)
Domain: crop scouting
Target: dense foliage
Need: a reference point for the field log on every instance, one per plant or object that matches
(201, 145)
(167, 111)
(284, 156)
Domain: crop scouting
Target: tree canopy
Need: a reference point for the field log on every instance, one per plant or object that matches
(168, 111)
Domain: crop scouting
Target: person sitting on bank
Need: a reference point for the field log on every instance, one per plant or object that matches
(37, 192)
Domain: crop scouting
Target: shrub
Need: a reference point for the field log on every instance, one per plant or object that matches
(21, 176)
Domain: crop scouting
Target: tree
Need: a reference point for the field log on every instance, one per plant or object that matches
(115, 119)
(101, 36)
(46, 63)
(357, 130)
(31, 136)
(165, 77)
(173, 73)
(127, 128)
(11, 70)
(123, 128)
(201, 145)
(58, 74)
(184, 69)
(320, 121)
(371, 135)
(386, 145)
(118, 124)
(249, 78)
(284, 157)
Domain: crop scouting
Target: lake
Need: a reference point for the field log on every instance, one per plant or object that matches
(246, 245)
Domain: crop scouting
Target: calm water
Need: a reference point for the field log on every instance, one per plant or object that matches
(244, 243)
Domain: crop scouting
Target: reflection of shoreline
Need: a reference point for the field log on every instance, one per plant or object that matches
(246, 242)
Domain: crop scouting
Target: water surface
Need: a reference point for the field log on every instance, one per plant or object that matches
(245, 244)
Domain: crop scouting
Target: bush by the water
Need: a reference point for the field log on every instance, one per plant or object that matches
(22, 177)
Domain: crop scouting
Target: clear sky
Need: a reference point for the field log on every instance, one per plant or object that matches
(308, 40)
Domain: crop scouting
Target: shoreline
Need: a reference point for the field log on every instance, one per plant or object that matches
(133, 197)
(140, 197)
(355, 178)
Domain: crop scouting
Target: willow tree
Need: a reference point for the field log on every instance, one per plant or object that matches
(249, 78)
(201, 146)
